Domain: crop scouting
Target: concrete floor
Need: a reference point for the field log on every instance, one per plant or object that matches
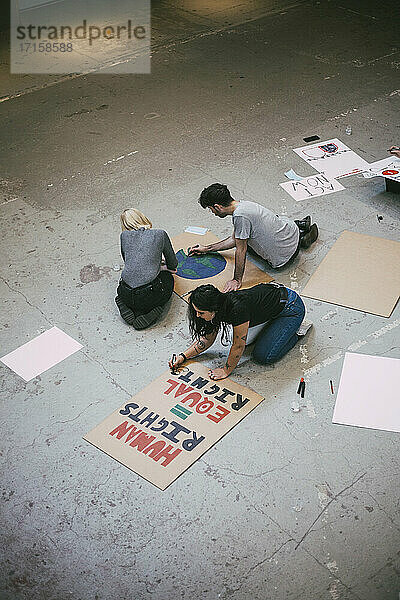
(234, 87)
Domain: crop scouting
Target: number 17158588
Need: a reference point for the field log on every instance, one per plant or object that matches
(29, 47)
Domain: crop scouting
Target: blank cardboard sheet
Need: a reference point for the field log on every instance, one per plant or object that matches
(368, 394)
(169, 424)
(217, 269)
(361, 272)
(41, 353)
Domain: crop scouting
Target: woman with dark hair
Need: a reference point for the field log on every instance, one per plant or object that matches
(268, 313)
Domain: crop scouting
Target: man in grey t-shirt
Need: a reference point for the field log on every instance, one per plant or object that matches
(276, 239)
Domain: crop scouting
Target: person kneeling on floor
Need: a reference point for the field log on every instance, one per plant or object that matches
(268, 313)
(146, 283)
(275, 239)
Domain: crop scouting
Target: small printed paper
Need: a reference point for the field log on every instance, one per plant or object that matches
(332, 158)
(368, 392)
(308, 187)
(293, 175)
(387, 167)
(41, 353)
(197, 230)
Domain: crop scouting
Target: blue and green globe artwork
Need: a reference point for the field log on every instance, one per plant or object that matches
(199, 266)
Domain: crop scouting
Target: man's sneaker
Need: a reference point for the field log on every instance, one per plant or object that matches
(310, 237)
(304, 327)
(304, 224)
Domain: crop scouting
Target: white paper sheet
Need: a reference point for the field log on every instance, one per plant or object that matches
(308, 187)
(333, 158)
(197, 230)
(369, 392)
(387, 167)
(41, 353)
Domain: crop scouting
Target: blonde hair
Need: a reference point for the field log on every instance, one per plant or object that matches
(132, 218)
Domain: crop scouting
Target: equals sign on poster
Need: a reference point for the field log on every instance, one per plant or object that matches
(180, 411)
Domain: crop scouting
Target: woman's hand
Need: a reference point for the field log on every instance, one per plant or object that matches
(179, 360)
(216, 374)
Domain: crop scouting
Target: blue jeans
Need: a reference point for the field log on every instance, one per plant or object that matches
(279, 335)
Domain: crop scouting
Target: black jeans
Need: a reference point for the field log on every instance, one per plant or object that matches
(144, 298)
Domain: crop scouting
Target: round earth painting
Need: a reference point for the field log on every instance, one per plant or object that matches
(199, 266)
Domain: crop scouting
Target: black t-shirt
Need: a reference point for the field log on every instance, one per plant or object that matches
(257, 304)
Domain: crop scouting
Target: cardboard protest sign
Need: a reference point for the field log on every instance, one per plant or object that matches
(216, 267)
(309, 187)
(360, 271)
(169, 424)
(332, 158)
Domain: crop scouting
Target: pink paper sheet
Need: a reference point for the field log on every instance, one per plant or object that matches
(41, 353)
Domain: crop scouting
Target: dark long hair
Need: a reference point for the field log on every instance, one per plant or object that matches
(208, 297)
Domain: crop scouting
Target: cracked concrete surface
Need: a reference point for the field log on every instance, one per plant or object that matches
(287, 505)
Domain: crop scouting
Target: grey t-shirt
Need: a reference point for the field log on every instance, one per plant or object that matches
(273, 238)
(142, 251)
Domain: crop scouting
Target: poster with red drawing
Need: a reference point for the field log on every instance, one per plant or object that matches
(332, 158)
(389, 168)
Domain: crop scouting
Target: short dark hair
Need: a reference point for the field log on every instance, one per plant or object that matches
(217, 193)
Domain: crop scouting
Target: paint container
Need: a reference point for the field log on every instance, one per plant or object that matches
(295, 406)
(348, 130)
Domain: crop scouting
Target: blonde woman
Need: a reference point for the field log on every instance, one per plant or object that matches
(146, 283)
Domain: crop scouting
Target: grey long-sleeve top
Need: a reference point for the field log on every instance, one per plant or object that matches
(142, 251)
